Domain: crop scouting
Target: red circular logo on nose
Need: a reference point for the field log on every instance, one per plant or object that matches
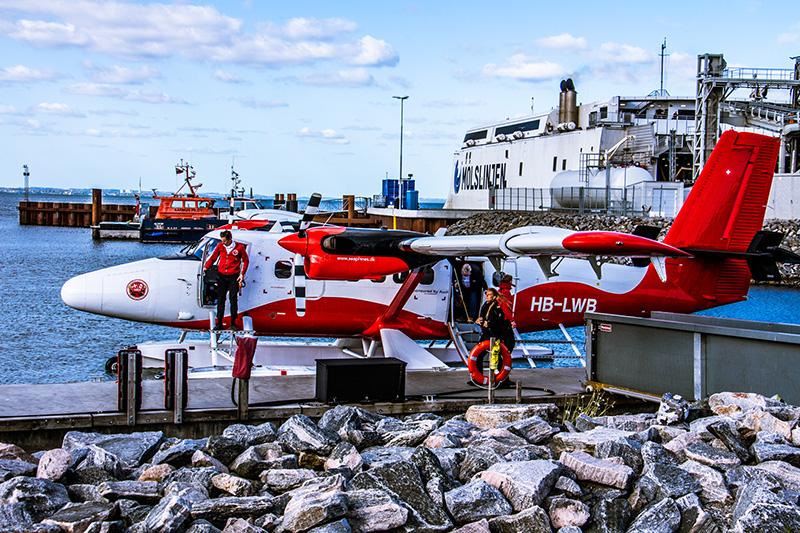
(137, 289)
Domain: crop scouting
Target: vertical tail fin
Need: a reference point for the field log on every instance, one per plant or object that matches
(723, 212)
(726, 206)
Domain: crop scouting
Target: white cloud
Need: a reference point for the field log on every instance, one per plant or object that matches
(23, 74)
(358, 77)
(116, 74)
(8, 110)
(375, 53)
(449, 102)
(520, 67)
(327, 135)
(197, 32)
(228, 77)
(304, 28)
(789, 37)
(562, 41)
(123, 93)
(57, 108)
(623, 53)
(255, 103)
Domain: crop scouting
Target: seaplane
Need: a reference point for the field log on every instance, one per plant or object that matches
(390, 293)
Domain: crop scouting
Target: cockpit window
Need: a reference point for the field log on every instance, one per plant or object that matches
(197, 249)
(283, 269)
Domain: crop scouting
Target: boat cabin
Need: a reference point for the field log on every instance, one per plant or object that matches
(185, 207)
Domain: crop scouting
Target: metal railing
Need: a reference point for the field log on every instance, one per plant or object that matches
(657, 199)
(744, 73)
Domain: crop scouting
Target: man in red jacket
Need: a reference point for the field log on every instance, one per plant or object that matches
(233, 262)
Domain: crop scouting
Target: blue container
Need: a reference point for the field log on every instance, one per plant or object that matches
(391, 189)
(412, 199)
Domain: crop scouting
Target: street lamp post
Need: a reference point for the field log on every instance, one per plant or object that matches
(400, 175)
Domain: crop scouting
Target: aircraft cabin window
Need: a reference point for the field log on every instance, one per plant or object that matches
(283, 269)
(427, 276)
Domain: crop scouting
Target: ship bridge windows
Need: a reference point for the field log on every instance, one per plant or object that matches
(476, 135)
(531, 125)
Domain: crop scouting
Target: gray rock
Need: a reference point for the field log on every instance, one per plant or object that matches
(251, 462)
(54, 464)
(735, 403)
(84, 493)
(233, 485)
(787, 475)
(757, 508)
(315, 503)
(534, 429)
(713, 488)
(383, 455)
(570, 529)
(695, 519)
(77, 517)
(700, 426)
(776, 452)
(395, 432)
(756, 421)
(500, 436)
(15, 453)
(659, 481)
(449, 459)
(403, 481)
(481, 526)
(239, 525)
(269, 521)
(300, 434)
(474, 501)
(226, 449)
(610, 516)
(662, 516)
(525, 483)
(178, 454)
(202, 526)
(566, 512)
(174, 509)
(202, 459)
(587, 440)
(429, 467)
(40, 497)
(251, 435)
(478, 458)
(677, 445)
(568, 486)
(629, 450)
(153, 473)
(12, 468)
(710, 456)
(193, 476)
(731, 440)
(498, 415)
(602, 471)
(352, 424)
(345, 455)
(638, 422)
(223, 508)
(531, 520)
(140, 491)
(99, 458)
(374, 510)
(654, 453)
(673, 409)
(109, 526)
(283, 480)
(454, 433)
(130, 448)
(339, 526)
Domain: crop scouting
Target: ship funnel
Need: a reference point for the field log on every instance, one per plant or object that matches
(568, 103)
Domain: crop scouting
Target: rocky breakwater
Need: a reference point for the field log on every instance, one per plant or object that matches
(502, 221)
(729, 464)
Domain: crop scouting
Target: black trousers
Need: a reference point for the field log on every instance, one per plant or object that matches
(227, 285)
(506, 338)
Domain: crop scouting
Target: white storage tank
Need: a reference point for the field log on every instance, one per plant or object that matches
(566, 186)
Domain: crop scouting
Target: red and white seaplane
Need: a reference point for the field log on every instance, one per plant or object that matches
(379, 291)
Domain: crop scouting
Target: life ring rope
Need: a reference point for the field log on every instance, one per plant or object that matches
(475, 372)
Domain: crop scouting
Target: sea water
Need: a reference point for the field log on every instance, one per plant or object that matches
(44, 341)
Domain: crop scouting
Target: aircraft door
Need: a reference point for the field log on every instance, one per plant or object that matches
(207, 280)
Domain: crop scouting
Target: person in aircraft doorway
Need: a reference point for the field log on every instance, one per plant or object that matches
(493, 321)
(232, 266)
(471, 283)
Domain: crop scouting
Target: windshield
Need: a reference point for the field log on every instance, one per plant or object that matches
(195, 250)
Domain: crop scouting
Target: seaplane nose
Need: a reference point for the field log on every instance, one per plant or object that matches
(83, 293)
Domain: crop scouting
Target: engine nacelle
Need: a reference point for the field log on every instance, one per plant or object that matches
(338, 253)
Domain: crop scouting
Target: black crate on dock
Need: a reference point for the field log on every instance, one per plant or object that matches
(361, 380)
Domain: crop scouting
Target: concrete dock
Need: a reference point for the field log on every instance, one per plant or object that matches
(37, 416)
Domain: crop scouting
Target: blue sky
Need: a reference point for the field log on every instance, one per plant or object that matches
(300, 93)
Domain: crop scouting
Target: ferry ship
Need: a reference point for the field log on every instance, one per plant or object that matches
(628, 154)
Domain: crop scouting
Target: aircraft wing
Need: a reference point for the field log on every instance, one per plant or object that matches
(542, 240)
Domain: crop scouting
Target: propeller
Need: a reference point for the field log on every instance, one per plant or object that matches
(299, 271)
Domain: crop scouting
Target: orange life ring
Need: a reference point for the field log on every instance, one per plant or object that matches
(475, 372)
